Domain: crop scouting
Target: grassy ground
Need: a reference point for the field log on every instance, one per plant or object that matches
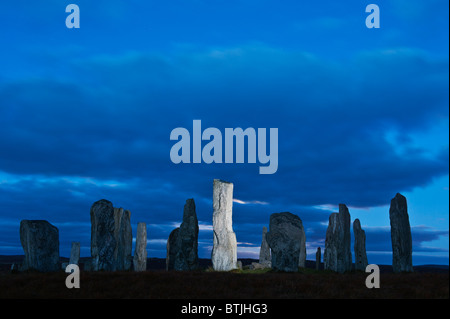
(248, 284)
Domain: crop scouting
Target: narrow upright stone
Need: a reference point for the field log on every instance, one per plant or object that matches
(318, 258)
(124, 239)
(360, 246)
(140, 250)
(337, 255)
(264, 253)
(182, 246)
(285, 240)
(302, 256)
(400, 235)
(75, 253)
(173, 247)
(224, 252)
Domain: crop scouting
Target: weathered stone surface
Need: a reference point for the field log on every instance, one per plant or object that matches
(124, 239)
(224, 252)
(400, 235)
(40, 242)
(173, 247)
(182, 246)
(318, 258)
(75, 253)
(359, 246)
(111, 237)
(302, 256)
(255, 266)
(264, 253)
(103, 241)
(140, 250)
(337, 255)
(285, 240)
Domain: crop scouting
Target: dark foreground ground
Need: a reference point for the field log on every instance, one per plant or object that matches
(207, 285)
(425, 283)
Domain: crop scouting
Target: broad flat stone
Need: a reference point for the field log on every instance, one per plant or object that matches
(40, 242)
(111, 237)
(285, 240)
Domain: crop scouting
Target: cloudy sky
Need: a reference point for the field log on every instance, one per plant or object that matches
(361, 113)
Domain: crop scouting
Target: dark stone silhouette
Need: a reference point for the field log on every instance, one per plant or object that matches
(111, 238)
(40, 242)
(360, 246)
(284, 238)
(337, 255)
(182, 245)
(400, 235)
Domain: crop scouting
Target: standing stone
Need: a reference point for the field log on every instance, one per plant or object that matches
(360, 246)
(124, 239)
(173, 247)
(75, 253)
(264, 253)
(111, 237)
(140, 251)
(318, 258)
(338, 256)
(103, 241)
(224, 252)
(182, 245)
(40, 242)
(302, 256)
(285, 238)
(400, 235)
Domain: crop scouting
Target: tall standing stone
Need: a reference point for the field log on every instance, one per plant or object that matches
(302, 256)
(124, 239)
(182, 246)
(140, 250)
(103, 241)
(318, 258)
(173, 247)
(400, 235)
(264, 253)
(224, 252)
(359, 246)
(285, 240)
(337, 255)
(40, 242)
(111, 237)
(75, 253)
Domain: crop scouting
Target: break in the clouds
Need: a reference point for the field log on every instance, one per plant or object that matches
(358, 120)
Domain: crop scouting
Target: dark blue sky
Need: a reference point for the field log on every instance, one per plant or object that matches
(362, 114)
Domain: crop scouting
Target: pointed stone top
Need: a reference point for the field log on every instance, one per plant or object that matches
(399, 203)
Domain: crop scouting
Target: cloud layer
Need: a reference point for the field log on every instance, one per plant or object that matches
(344, 135)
